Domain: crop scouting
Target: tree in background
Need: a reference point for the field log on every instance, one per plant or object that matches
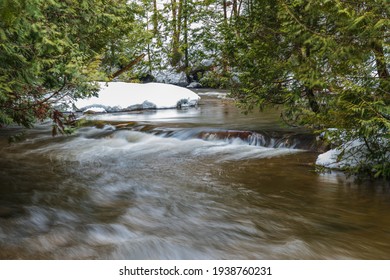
(327, 64)
(184, 33)
(52, 50)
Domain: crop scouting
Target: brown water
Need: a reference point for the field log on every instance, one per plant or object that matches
(203, 183)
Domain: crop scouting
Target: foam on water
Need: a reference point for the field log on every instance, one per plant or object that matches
(94, 144)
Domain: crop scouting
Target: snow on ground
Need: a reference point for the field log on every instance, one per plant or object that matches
(194, 85)
(349, 155)
(328, 159)
(119, 96)
(218, 94)
(170, 77)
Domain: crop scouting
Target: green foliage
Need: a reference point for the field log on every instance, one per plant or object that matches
(326, 63)
(51, 50)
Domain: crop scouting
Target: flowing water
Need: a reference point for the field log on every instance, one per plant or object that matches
(201, 183)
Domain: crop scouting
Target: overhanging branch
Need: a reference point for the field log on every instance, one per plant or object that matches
(127, 67)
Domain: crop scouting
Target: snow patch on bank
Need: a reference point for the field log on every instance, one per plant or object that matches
(349, 155)
(218, 94)
(170, 76)
(119, 96)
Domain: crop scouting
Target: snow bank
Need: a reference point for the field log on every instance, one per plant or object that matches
(207, 62)
(119, 96)
(349, 155)
(194, 85)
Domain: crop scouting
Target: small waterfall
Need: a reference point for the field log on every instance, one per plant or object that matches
(268, 139)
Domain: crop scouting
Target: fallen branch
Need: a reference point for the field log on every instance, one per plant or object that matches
(127, 67)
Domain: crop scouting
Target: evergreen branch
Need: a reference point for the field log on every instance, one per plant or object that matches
(301, 23)
(383, 36)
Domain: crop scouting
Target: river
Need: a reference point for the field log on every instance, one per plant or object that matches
(200, 183)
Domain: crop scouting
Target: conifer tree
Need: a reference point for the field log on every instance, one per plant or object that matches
(51, 50)
(327, 64)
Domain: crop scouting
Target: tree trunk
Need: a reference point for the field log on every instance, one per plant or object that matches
(235, 9)
(155, 17)
(148, 46)
(309, 89)
(185, 27)
(312, 100)
(225, 11)
(176, 34)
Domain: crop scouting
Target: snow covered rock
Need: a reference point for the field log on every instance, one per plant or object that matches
(207, 62)
(349, 155)
(171, 77)
(119, 96)
(194, 85)
(94, 110)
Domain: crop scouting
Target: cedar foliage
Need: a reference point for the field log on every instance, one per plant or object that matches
(326, 63)
(52, 49)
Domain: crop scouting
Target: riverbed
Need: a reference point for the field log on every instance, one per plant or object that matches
(197, 183)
